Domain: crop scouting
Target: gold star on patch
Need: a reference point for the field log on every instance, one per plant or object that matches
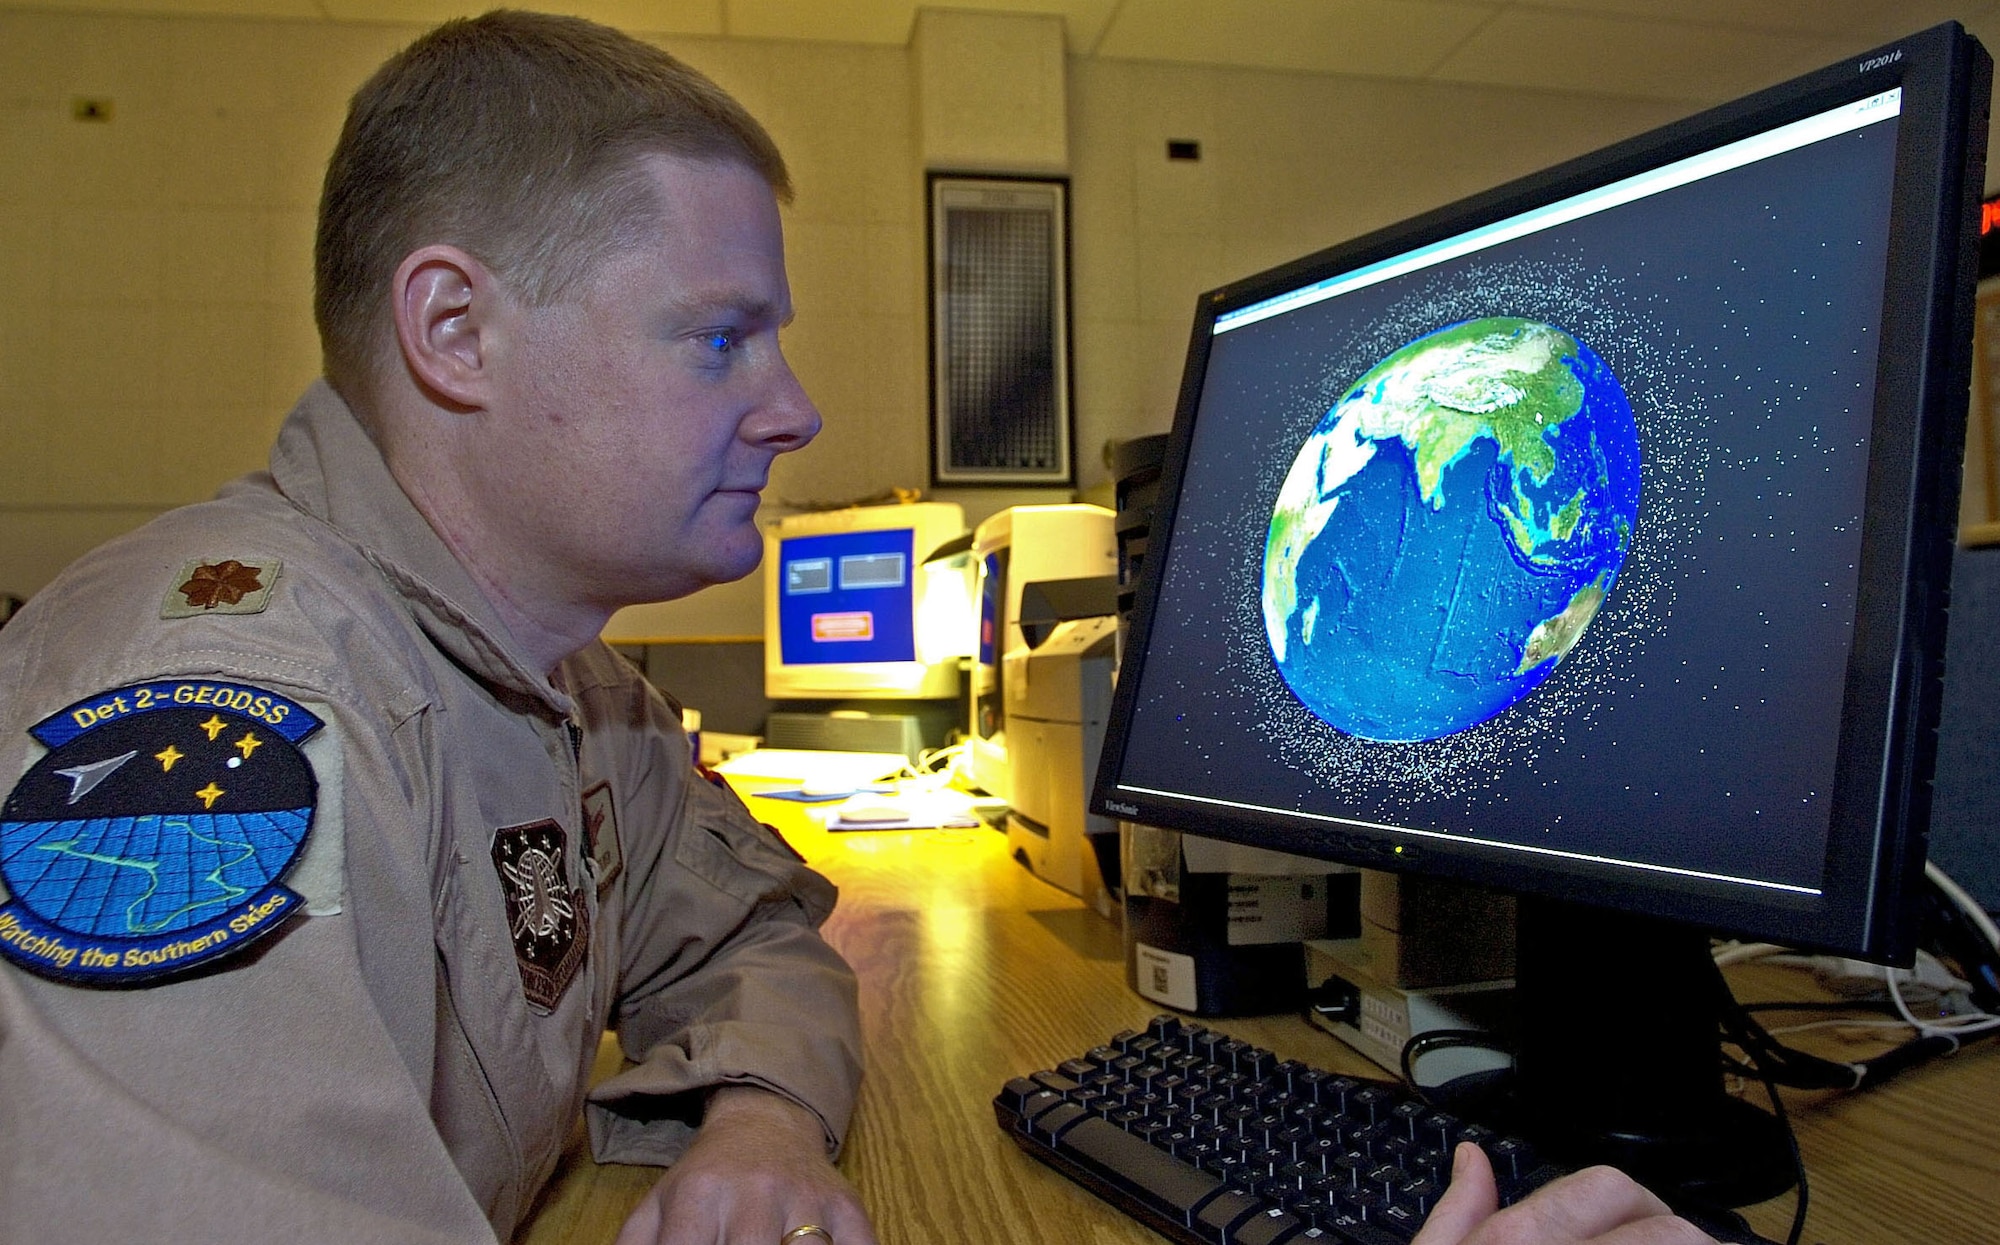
(209, 795)
(214, 726)
(248, 744)
(168, 757)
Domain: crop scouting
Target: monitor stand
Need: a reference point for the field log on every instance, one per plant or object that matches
(1619, 1058)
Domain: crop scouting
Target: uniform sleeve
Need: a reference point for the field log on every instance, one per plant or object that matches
(257, 1097)
(724, 978)
(261, 1101)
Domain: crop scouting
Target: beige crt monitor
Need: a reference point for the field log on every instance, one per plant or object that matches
(850, 611)
(1022, 545)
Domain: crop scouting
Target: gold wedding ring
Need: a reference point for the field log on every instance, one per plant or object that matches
(803, 1231)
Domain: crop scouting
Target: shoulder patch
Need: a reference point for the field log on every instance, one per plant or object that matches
(225, 587)
(153, 835)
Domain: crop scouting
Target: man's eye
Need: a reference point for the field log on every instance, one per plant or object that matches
(721, 341)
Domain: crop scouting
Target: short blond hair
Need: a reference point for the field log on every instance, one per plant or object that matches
(516, 137)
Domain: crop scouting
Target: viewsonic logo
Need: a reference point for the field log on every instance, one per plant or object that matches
(1123, 810)
(1876, 62)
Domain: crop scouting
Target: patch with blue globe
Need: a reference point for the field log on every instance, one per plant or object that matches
(1450, 528)
(154, 834)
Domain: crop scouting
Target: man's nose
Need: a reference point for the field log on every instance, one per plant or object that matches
(787, 420)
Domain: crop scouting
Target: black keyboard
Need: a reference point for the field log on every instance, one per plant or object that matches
(1212, 1141)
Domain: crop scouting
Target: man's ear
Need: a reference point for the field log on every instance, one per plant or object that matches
(443, 300)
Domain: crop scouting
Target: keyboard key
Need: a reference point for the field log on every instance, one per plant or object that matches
(1018, 1091)
(1050, 1124)
(1268, 1227)
(1407, 1117)
(1440, 1130)
(1421, 1195)
(1056, 1082)
(1371, 1103)
(1366, 1203)
(1223, 1212)
(1169, 1186)
(1512, 1159)
(1400, 1218)
(1334, 1092)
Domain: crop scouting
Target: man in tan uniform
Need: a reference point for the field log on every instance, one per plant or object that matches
(333, 836)
(338, 838)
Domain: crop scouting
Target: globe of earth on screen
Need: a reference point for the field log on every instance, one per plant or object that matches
(1449, 529)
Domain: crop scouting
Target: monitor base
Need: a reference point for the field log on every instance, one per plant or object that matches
(1620, 1059)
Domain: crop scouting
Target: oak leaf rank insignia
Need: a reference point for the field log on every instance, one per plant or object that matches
(230, 586)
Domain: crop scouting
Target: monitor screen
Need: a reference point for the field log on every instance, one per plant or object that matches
(1587, 538)
(853, 607)
(846, 597)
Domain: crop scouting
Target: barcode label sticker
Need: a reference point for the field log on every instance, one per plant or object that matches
(1164, 976)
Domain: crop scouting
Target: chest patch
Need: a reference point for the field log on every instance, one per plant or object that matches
(548, 918)
(600, 831)
(154, 834)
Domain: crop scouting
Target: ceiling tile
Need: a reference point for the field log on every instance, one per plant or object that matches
(1084, 21)
(663, 17)
(890, 21)
(688, 17)
(849, 21)
(1555, 51)
(297, 9)
(1383, 38)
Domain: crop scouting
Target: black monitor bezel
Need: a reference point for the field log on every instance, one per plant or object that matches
(1888, 733)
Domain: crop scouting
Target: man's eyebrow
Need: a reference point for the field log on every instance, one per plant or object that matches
(700, 305)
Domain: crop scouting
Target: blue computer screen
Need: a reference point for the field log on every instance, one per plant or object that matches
(847, 598)
(1544, 537)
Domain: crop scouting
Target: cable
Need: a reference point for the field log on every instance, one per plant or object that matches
(1743, 1029)
(1945, 1026)
(1804, 1200)
(1738, 952)
(1422, 1044)
(1966, 904)
(1965, 932)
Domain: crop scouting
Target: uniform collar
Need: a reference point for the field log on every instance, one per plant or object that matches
(326, 464)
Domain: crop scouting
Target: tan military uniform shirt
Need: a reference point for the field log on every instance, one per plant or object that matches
(390, 1067)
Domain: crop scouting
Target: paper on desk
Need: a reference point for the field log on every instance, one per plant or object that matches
(849, 770)
(924, 810)
(801, 797)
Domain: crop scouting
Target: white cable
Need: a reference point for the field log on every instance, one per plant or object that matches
(1739, 952)
(1945, 1026)
(1968, 905)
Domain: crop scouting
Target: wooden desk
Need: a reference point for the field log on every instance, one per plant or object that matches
(973, 971)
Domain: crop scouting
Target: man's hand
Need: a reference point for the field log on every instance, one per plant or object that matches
(756, 1170)
(1599, 1204)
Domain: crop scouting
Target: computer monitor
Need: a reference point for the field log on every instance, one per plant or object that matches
(850, 611)
(1590, 539)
